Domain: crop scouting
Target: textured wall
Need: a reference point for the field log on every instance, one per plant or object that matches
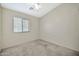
(9, 37)
(61, 26)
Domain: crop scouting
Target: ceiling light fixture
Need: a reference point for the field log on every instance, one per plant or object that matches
(35, 6)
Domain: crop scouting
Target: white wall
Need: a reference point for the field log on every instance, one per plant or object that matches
(0, 27)
(61, 26)
(9, 37)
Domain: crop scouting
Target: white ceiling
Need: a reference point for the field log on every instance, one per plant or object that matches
(23, 7)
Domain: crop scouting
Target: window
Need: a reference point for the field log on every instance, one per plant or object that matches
(20, 24)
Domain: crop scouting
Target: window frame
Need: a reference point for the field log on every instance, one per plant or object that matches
(21, 24)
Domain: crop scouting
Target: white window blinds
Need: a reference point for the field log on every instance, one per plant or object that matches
(20, 24)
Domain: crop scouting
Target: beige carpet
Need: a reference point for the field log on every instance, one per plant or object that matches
(38, 48)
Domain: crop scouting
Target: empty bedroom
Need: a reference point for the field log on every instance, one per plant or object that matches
(39, 29)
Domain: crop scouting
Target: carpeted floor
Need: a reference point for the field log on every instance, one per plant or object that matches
(38, 48)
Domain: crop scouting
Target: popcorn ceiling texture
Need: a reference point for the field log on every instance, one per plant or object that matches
(38, 48)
